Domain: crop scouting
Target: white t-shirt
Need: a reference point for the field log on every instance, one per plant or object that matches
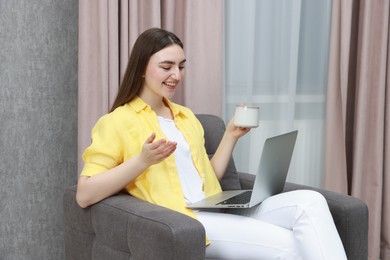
(190, 180)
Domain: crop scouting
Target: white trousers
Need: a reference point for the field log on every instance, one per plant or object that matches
(291, 225)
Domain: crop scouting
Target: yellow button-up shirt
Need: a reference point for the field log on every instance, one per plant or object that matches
(119, 135)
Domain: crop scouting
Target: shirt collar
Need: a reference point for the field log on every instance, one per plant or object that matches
(138, 104)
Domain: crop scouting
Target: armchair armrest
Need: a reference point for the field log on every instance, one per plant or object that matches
(126, 227)
(349, 214)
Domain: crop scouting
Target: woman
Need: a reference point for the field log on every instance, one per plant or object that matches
(155, 150)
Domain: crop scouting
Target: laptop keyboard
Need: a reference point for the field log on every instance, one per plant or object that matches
(241, 198)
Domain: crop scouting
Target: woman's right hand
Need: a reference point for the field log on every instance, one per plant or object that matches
(95, 188)
(154, 152)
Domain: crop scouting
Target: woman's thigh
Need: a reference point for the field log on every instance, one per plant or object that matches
(284, 209)
(240, 237)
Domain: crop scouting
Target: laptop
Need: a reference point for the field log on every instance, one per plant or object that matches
(270, 177)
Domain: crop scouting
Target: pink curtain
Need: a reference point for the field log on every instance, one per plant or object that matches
(357, 158)
(107, 32)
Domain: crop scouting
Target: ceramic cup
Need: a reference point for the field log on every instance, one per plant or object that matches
(246, 116)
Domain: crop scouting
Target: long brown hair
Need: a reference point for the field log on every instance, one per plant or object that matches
(148, 43)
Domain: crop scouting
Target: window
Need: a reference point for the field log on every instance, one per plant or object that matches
(276, 57)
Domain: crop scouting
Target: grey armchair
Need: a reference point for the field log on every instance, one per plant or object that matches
(124, 227)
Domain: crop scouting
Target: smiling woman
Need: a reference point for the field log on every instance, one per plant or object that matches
(147, 48)
(155, 150)
(163, 74)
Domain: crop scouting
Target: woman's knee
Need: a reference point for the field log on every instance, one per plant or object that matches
(308, 198)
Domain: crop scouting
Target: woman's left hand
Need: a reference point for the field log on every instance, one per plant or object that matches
(236, 131)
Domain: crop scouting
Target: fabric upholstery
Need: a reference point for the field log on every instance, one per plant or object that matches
(124, 227)
(214, 127)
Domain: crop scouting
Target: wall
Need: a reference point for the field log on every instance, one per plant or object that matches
(38, 124)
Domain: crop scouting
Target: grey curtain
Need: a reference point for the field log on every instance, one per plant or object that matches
(357, 156)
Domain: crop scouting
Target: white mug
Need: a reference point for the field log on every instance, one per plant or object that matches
(246, 116)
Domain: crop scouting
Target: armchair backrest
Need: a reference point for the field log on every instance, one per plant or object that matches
(214, 128)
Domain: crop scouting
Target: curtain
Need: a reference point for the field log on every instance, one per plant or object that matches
(276, 55)
(357, 157)
(107, 31)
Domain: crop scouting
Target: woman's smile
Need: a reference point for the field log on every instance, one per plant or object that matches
(170, 85)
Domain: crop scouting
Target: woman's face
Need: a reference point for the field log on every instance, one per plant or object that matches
(164, 72)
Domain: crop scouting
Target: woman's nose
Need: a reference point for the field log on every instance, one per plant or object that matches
(176, 74)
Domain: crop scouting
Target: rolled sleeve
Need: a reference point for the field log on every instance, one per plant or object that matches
(106, 149)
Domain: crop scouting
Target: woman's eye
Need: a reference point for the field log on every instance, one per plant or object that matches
(170, 68)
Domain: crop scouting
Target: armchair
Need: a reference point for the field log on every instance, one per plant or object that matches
(124, 227)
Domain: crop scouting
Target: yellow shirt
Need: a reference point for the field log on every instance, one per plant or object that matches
(119, 135)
